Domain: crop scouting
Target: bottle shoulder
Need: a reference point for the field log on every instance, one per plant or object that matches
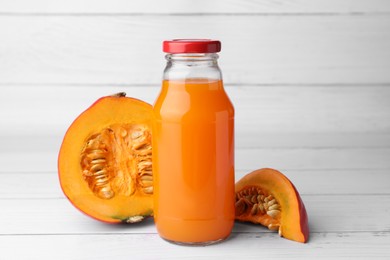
(193, 100)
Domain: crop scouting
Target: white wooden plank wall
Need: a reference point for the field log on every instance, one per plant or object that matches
(310, 80)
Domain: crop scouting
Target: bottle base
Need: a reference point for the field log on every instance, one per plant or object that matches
(200, 232)
(195, 244)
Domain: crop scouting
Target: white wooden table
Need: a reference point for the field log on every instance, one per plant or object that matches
(311, 86)
(348, 211)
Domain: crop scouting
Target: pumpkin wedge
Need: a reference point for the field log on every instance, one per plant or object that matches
(269, 198)
(105, 160)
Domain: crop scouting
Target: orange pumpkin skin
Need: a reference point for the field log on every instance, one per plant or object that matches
(290, 218)
(100, 156)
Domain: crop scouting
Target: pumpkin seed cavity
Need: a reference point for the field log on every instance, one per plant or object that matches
(118, 161)
(262, 207)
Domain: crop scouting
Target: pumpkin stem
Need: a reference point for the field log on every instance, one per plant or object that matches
(120, 94)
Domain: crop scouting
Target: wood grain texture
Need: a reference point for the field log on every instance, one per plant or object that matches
(246, 159)
(353, 213)
(259, 50)
(282, 127)
(336, 245)
(265, 7)
(37, 185)
(334, 116)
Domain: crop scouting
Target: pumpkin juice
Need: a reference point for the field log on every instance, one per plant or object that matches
(193, 161)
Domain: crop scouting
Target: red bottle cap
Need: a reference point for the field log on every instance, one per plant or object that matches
(191, 46)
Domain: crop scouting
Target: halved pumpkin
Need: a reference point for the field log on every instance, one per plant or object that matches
(267, 197)
(105, 160)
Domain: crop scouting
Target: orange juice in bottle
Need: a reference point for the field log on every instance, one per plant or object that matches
(193, 147)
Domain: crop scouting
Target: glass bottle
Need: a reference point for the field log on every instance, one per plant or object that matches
(193, 147)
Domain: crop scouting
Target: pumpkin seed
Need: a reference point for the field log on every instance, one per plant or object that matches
(274, 206)
(106, 193)
(273, 226)
(261, 208)
(254, 209)
(148, 190)
(240, 207)
(98, 161)
(254, 199)
(134, 219)
(271, 202)
(273, 213)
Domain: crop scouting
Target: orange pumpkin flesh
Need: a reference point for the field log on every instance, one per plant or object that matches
(267, 197)
(105, 160)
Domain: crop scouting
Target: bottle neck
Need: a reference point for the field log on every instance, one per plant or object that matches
(194, 58)
(192, 66)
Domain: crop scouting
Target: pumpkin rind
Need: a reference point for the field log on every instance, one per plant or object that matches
(293, 219)
(77, 183)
